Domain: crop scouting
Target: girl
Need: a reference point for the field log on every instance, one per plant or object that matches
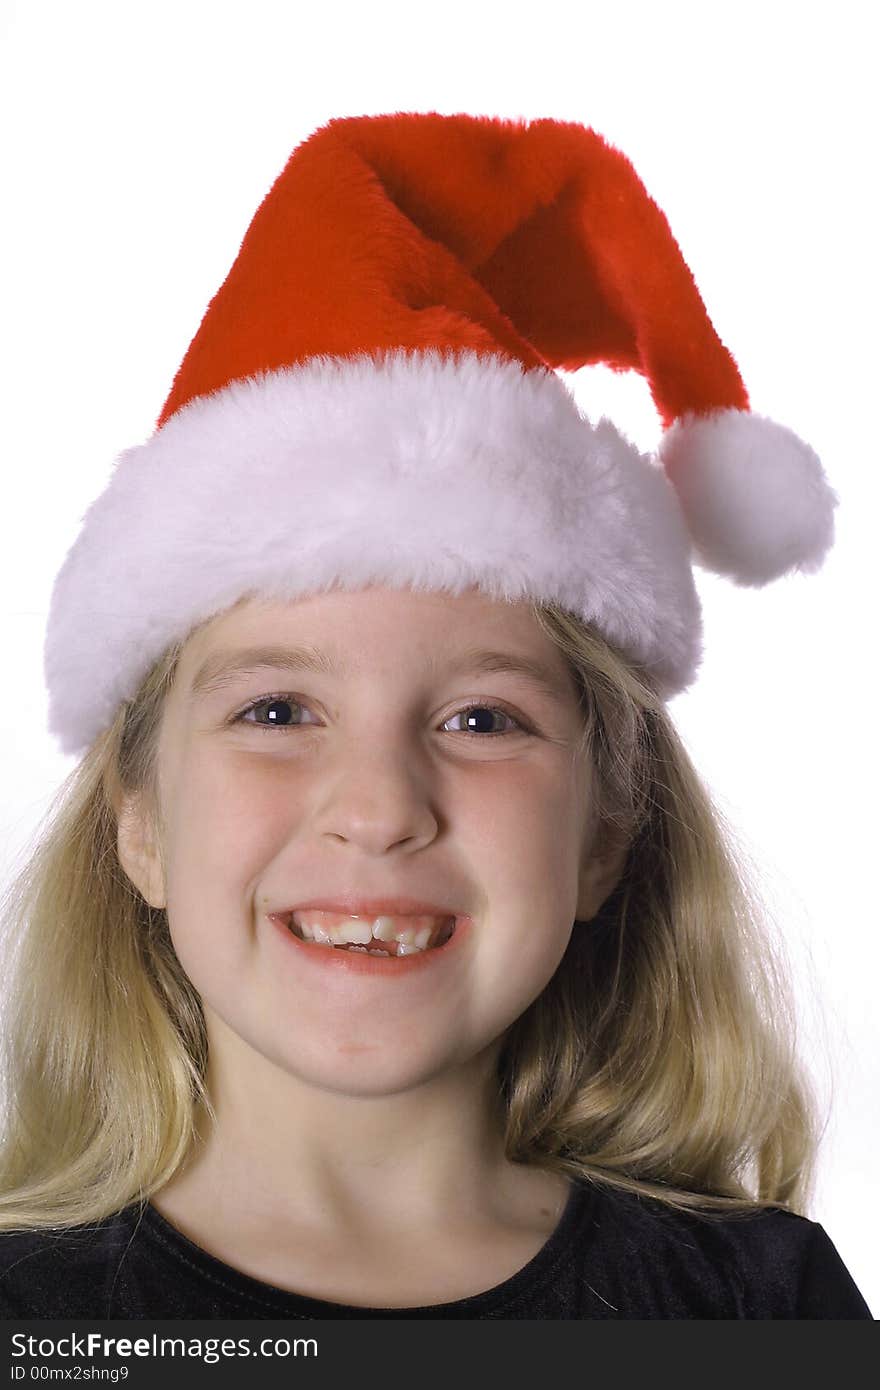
(385, 957)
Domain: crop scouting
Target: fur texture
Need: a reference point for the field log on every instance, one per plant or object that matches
(419, 470)
(755, 496)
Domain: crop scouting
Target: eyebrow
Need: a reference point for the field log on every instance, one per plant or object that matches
(226, 665)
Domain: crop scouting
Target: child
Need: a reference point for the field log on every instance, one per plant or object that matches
(385, 957)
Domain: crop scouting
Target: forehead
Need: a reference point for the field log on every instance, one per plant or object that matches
(346, 634)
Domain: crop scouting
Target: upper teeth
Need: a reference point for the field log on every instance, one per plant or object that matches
(335, 929)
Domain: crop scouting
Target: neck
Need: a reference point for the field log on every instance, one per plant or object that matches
(284, 1154)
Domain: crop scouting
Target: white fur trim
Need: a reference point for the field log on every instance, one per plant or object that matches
(418, 470)
(755, 496)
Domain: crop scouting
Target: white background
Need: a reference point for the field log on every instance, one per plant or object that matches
(138, 142)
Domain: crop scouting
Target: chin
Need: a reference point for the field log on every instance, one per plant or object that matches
(344, 1075)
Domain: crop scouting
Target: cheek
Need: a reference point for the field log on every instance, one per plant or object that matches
(522, 851)
(228, 823)
(528, 828)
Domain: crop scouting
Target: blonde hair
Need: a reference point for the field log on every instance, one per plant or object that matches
(658, 1059)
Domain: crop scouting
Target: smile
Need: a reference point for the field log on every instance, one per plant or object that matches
(384, 935)
(343, 948)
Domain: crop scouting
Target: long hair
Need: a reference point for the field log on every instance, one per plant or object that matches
(659, 1058)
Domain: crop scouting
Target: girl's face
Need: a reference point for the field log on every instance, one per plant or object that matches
(358, 774)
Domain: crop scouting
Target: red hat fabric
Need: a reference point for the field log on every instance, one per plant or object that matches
(375, 378)
(534, 242)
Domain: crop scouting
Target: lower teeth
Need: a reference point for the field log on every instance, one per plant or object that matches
(373, 951)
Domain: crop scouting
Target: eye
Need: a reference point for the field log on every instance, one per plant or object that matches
(478, 717)
(281, 712)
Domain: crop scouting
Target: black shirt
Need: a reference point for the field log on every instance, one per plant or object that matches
(612, 1255)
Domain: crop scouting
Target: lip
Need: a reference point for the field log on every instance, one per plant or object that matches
(330, 964)
(373, 907)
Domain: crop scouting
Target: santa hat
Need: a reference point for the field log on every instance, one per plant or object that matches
(371, 399)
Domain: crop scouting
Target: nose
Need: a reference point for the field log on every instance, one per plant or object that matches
(377, 796)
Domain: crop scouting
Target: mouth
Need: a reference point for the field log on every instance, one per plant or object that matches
(380, 934)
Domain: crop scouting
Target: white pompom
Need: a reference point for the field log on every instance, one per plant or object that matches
(755, 496)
